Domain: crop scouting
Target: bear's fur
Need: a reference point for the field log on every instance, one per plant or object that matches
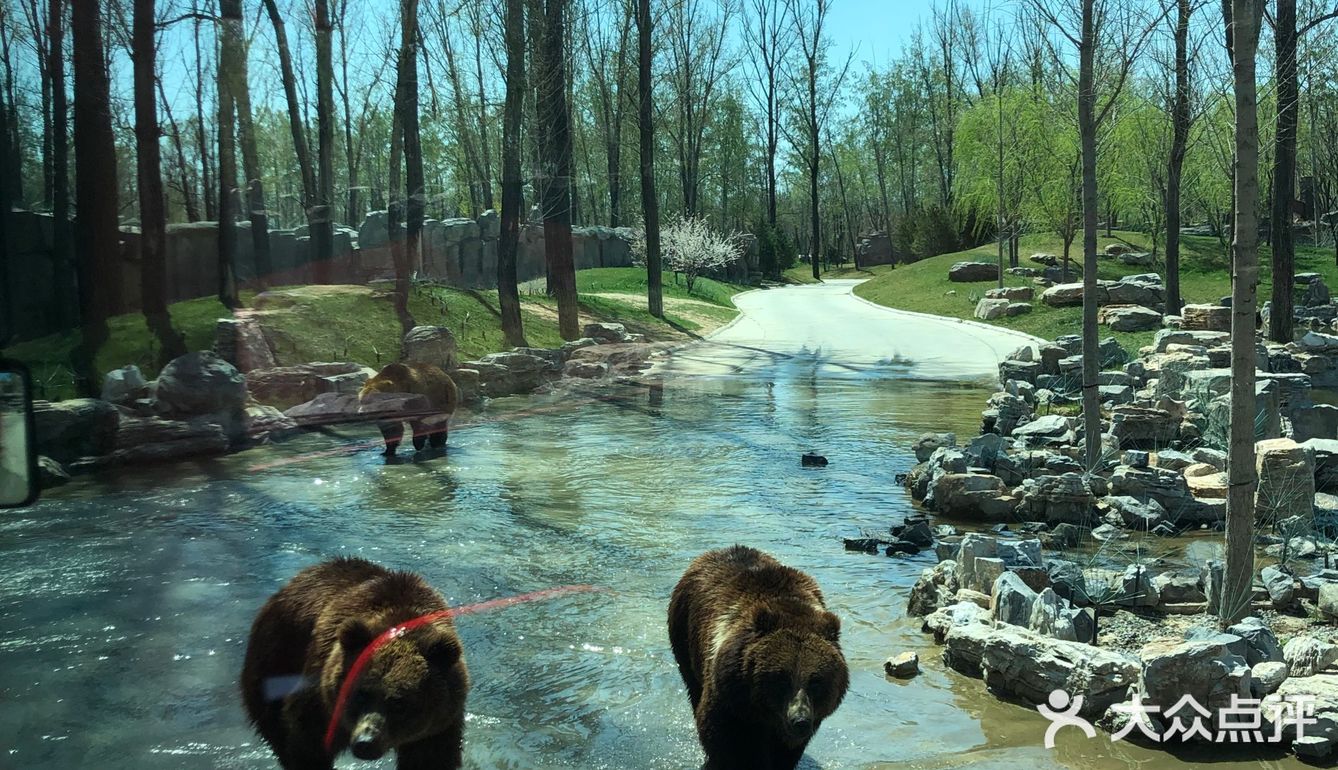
(760, 656)
(419, 379)
(410, 698)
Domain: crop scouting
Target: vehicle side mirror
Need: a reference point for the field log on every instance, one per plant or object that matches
(18, 445)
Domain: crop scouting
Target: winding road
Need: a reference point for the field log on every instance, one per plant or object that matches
(827, 321)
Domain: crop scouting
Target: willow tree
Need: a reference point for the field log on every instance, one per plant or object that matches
(1242, 19)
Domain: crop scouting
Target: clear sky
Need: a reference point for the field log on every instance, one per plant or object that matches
(875, 29)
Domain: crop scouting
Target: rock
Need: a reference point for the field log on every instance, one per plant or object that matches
(989, 309)
(973, 272)
(286, 386)
(1024, 371)
(266, 422)
(934, 590)
(124, 385)
(1327, 603)
(984, 449)
(1212, 576)
(1286, 472)
(1138, 515)
(1174, 588)
(941, 622)
(241, 341)
(813, 460)
(1052, 616)
(1136, 459)
(1138, 258)
(142, 440)
(433, 345)
(1005, 411)
(1282, 589)
(1326, 463)
(574, 345)
(1261, 644)
(1307, 656)
(1015, 309)
(1026, 665)
(978, 496)
(50, 474)
(1137, 589)
(1051, 426)
(75, 428)
(925, 445)
(917, 530)
(1136, 427)
(605, 332)
(1209, 318)
(1168, 488)
(1319, 691)
(1266, 677)
(504, 374)
(1204, 670)
(975, 597)
(903, 666)
(975, 546)
(1130, 318)
(1011, 600)
(1315, 342)
(1063, 499)
(326, 408)
(1012, 293)
(1146, 729)
(1063, 295)
(199, 384)
(1206, 482)
(586, 370)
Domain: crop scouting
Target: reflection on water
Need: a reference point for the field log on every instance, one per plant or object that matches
(128, 598)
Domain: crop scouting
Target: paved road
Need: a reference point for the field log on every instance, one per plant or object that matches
(826, 321)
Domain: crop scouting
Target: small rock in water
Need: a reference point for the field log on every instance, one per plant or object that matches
(901, 546)
(813, 460)
(903, 666)
(1000, 529)
(865, 544)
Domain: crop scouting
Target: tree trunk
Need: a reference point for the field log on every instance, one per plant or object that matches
(296, 122)
(1091, 355)
(555, 158)
(353, 213)
(228, 194)
(650, 204)
(253, 185)
(406, 80)
(1180, 120)
(1243, 21)
(1284, 172)
(485, 153)
(201, 139)
(322, 230)
(152, 217)
(415, 194)
(513, 185)
(64, 292)
(95, 164)
(814, 161)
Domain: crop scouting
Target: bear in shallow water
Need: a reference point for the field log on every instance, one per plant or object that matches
(760, 655)
(411, 696)
(418, 379)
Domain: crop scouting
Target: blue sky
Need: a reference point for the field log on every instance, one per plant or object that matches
(875, 29)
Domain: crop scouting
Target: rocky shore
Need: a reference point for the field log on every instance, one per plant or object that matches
(236, 396)
(1092, 580)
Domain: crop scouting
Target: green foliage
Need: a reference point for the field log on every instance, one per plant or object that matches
(775, 252)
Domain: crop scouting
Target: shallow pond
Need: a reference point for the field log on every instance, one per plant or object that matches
(128, 598)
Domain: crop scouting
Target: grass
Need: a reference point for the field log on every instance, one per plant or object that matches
(804, 273)
(1205, 276)
(324, 323)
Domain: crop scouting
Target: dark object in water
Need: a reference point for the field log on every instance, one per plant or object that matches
(865, 544)
(813, 460)
(1000, 529)
(900, 479)
(901, 546)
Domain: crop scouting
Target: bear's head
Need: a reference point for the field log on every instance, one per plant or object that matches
(797, 675)
(407, 691)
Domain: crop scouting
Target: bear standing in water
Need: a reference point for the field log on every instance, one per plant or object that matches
(410, 698)
(760, 656)
(419, 379)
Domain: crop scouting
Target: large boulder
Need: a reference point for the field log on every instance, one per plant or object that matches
(1307, 656)
(1064, 498)
(1286, 472)
(988, 309)
(605, 332)
(1012, 293)
(971, 495)
(199, 384)
(433, 345)
(1261, 643)
(78, 427)
(1204, 670)
(124, 385)
(285, 386)
(934, 590)
(1137, 427)
(1063, 295)
(504, 374)
(925, 446)
(142, 440)
(1208, 318)
(1318, 692)
(1130, 318)
(1011, 600)
(973, 272)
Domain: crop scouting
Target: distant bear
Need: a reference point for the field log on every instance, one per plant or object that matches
(760, 656)
(410, 698)
(420, 379)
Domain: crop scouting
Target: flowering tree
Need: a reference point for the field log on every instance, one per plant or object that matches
(692, 249)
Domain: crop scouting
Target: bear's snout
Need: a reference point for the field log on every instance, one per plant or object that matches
(799, 717)
(368, 742)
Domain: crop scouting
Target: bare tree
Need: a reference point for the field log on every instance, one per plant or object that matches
(152, 217)
(62, 261)
(296, 121)
(770, 37)
(697, 63)
(607, 54)
(98, 236)
(1181, 120)
(405, 138)
(229, 32)
(322, 225)
(513, 184)
(650, 203)
(1242, 19)
(201, 131)
(555, 155)
(254, 187)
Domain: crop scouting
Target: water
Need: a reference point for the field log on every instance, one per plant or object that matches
(128, 598)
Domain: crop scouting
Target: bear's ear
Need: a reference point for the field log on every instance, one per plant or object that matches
(830, 627)
(442, 650)
(354, 636)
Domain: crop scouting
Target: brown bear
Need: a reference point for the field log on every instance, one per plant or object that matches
(419, 379)
(760, 656)
(410, 698)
